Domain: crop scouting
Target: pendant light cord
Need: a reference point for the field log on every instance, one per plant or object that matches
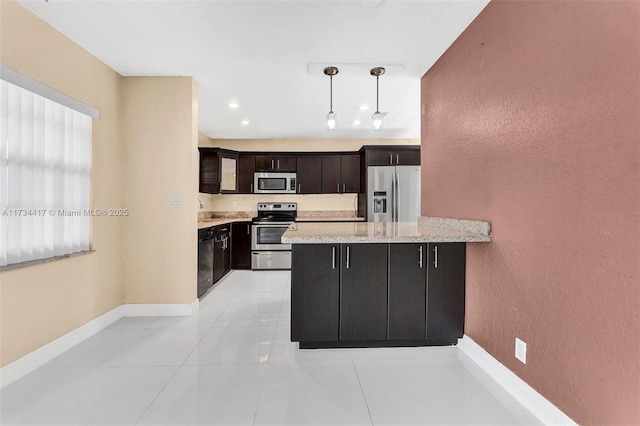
(377, 93)
(330, 94)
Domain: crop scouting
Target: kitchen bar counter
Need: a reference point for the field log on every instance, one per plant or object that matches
(427, 230)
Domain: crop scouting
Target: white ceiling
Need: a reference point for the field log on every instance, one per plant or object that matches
(259, 53)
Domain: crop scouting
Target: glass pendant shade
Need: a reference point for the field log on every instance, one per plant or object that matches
(332, 121)
(377, 121)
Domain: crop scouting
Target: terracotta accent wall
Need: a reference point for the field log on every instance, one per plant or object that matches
(531, 120)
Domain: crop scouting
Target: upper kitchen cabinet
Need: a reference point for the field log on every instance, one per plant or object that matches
(390, 155)
(308, 175)
(246, 168)
(341, 174)
(271, 163)
(218, 171)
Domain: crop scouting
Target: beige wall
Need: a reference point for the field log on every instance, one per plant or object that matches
(41, 303)
(326, 202)
(160, 146)
(536, 105)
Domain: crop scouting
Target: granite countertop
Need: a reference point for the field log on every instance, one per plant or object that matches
(427, 229)
(215, 221)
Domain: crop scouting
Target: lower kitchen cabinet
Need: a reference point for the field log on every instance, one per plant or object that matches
(241, 245)
(407, 291)
(315, 292)
(221, 252)
(355, 295)
(445, 292)
(363, 293)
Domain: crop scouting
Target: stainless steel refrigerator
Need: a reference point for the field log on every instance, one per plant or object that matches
(393, 193)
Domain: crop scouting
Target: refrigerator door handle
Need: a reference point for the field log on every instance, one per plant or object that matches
(397, 191)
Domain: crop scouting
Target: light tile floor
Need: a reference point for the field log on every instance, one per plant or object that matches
(232, 363)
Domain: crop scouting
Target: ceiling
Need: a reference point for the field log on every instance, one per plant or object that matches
(268, 56)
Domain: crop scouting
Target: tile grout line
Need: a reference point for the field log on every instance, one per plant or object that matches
(364, 396)
(183, 362)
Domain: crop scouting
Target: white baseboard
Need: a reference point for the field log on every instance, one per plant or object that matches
(25, 365)
(537, 404)
(160, 309)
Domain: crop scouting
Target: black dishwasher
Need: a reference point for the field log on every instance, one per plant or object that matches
(205, 259)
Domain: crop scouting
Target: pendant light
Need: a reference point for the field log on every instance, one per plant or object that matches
(332, 118)
(377, 119)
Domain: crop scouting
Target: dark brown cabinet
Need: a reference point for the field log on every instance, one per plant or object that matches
(445, 292)
(363, 293)
(401, 294)
(315, 274)
(221, 252)
(270, 163)
(241, 245)
(218, 171)
(246, 168)
(309, 175)
(341, 174)
(407, 291)
(389, 155)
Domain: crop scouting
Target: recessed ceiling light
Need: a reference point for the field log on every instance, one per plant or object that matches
(245, 122)
(233, 105)
(364, 107)
(355, 122)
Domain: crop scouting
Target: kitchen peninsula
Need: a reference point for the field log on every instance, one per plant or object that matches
(379, 284)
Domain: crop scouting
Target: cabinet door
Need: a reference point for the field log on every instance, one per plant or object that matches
(315, 292)
(218, 259)
(445, 292)
(228, 173)
(226, 255)
(309, 175)
(265, 163)
(246, 167)
(209, 177)
(241, 245)
(363, 292)
(350, 169)
(407, 291)
(379, 157)
(407, 157)
(331, 175)
(285, 164)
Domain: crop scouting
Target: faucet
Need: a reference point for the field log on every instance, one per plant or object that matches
(200, 205)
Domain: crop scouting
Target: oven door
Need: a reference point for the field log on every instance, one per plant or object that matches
(266, 236)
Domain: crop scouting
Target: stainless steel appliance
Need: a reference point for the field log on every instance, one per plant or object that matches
(393, 193)
(267, 251)
(205, 259)
(274, 183)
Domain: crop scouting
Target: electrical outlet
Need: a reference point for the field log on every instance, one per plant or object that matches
(175, 198)
(521, 350)
(235, 204)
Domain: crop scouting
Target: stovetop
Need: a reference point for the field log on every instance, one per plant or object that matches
(276, 212)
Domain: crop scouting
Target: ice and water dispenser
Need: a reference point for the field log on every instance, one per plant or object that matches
(379, 201)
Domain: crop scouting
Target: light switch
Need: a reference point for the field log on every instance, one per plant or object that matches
(175, 198)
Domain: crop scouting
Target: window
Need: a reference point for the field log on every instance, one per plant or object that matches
(45, 159)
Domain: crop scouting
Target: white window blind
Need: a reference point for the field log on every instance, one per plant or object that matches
(45, 158)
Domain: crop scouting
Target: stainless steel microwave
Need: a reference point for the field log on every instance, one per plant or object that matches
(274, 183)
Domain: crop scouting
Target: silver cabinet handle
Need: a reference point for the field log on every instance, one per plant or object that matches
(251, 190)
(272, 164)
(338, 186)
(391, 159)
(420, 262)
(278, 164)
(435, 257)
(344, 187)
(397, 161)
(347, 257)
(333, 258)
(299, 188)
(248, 229)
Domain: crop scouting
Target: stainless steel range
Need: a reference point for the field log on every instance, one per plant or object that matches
(267, 251)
